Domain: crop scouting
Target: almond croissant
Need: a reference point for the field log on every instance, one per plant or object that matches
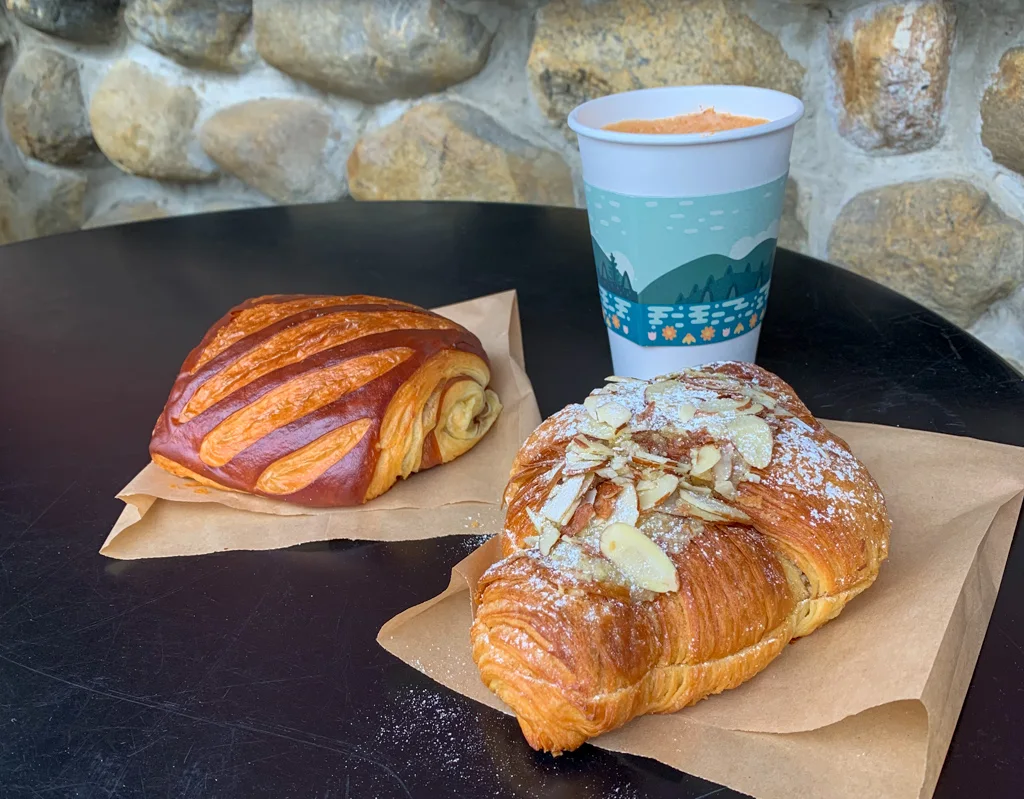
(324, 401)
(664, 541)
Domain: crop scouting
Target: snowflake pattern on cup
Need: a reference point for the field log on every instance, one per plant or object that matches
(683, 325)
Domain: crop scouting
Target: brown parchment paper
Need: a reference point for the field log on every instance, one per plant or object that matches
(866, 705)
(166, 515)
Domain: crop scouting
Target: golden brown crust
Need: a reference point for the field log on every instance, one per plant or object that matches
(180, 471)
(296, 471)
(295, 397)
(767, 542)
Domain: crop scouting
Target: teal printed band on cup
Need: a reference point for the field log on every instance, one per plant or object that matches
(684, 271)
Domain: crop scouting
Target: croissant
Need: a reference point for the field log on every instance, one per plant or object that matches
(663, 542)
(324, 401)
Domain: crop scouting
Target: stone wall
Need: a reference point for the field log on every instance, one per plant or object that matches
(908, 167)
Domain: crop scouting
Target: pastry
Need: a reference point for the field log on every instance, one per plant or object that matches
(324, 401)
(663, 542)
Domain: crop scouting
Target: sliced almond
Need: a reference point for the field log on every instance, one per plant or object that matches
(725, 488)
(655, 491)
(709, 508)
(595, 448)
(590, 403)
(707, 457)
(753, 410)
(548, 538)
(604, 502)
(547, 534)
(753, 438)
(613, 414)
(649, 458)
(607, 472)
(625, 505)
(723, 469)
(679, 468)
(576, 465)
(721, 404)
(562, 501)
(686, 412)
(639, 558)
(580, 519)
(760, 396)
(582, 454)
(618, 379)
(658, 388)
(594, 429)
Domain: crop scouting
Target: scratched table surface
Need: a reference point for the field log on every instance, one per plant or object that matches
(249, 674)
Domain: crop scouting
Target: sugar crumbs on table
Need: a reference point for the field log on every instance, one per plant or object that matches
(470, 543)
(425, 718)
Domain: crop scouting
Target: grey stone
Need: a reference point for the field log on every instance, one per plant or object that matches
(144, 124)
(8, 41)
(1002, 112)
(792, 230)
(89, 21)
(890, 63)
(1002, 328)
(944, 243)
(125, 212)
(44, 110)
(229, 204)
(56, 202)
(450, 151)
(202, 33)
(372, 50)
(41, 201)
(10, 219)
(583, 50)
(289, 149)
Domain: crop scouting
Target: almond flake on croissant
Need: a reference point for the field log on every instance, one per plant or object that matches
(663, 542)
(324, 401)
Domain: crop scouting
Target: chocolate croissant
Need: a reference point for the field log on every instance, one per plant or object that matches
(664, 541)
(324, 401)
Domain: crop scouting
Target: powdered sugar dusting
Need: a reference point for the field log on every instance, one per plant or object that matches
(816, 466)
(427, 717)
(470, 543)
(467, 746)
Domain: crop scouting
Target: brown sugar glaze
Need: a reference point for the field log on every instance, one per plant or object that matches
(707, 121)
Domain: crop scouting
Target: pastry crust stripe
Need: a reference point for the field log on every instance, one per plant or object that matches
(296, 471)
(292, 401)
(265, 313)
(300, 342)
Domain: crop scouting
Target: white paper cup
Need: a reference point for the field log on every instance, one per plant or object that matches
(684, 225)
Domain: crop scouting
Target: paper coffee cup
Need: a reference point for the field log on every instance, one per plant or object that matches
(684, 225)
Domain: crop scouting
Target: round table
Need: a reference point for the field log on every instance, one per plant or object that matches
(249, 674)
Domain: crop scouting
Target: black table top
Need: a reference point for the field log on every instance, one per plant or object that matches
(257, 674)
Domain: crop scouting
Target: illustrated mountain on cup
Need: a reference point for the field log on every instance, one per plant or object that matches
(610, 276)
(712, 278)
